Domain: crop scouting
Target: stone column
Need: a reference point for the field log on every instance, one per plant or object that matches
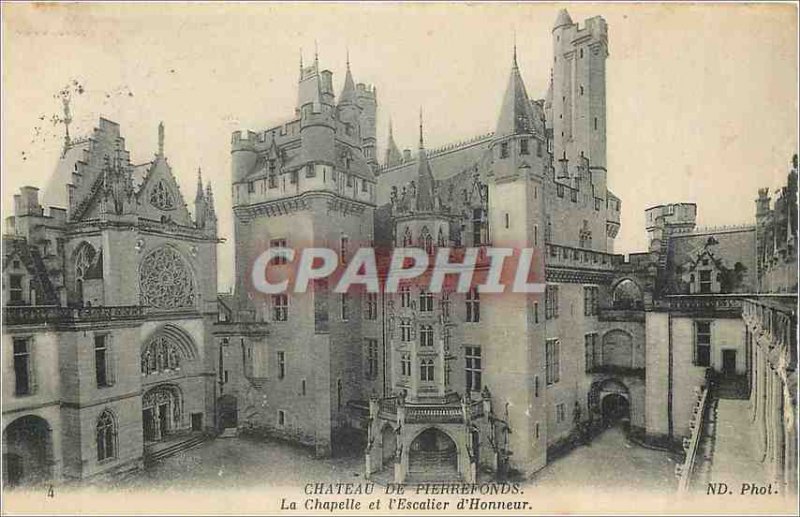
(778, 430)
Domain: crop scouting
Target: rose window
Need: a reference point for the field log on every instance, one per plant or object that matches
(165, 281)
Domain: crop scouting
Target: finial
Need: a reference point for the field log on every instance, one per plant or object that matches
(391, 133)
(161, 138)
(316, 54)
(347, 57)
(515, 48)
(67, 120)
(301, 60)
(421, 144)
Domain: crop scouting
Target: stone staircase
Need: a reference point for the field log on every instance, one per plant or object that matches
(229, 432)
(156, 454)
(434, 467)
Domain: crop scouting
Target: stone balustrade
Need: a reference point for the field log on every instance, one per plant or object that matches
(54, 314)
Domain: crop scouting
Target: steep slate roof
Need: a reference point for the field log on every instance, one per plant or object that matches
(349, 88)
(563, 19)
(730, 247)
(443, 164)
(54, 192)
(32, 260)
(516, 112)
(139, 173)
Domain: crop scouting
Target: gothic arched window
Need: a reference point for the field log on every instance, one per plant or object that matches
(106, 434)
(161, 354)
(165, 281)
(161, 197)
(88, 263)
(426, 370)
(407, 238)
(426, 335)
(440, 240)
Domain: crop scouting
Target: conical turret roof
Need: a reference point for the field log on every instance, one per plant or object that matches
(562, 19)
(349, 88)
(516, 115)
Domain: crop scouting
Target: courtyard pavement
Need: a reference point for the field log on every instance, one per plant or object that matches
(735, 460)
(244, 463)
(610, 461)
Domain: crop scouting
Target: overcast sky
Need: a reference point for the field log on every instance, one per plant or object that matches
(702, 100)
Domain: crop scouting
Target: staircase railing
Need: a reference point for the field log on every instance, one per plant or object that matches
(691, 444)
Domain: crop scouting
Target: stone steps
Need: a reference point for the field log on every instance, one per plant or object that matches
(229, 432)
(177, 447)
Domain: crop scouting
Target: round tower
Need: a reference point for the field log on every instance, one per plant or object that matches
(243, 154)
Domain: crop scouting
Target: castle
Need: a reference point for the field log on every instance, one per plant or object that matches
(437, 385)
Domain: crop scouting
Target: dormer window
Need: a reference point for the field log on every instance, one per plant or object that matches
(310, 172)
(15, 289)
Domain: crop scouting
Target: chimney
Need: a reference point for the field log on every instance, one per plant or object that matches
(29, 201)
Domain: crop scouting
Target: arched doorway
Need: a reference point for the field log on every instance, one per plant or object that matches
(388, 444)
(162, 412)
(615, 408)
(627, 295)
(433, 454)
(228, 407)
(27, 451)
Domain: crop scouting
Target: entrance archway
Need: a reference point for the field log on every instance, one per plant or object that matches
(27, 451)
(615, 408)
(433, 454)
(228, 411)
(162, 412)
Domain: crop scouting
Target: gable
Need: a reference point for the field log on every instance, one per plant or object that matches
(159, 196)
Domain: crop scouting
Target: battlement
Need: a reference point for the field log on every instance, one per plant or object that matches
(316, 115)
(594, 28)
(366, 90)
(725, 228)
(671, 214)
(437, 151)
(244, 140)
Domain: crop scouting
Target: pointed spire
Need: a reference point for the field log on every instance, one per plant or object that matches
(316, 55)
(347, 57)
(301, 62)
(210, 201)
(516, 113)
(421, 141)
(161, 139)
(425, 195)
(199, 194)
(393, 156)
(349, 89)
(515, 50)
